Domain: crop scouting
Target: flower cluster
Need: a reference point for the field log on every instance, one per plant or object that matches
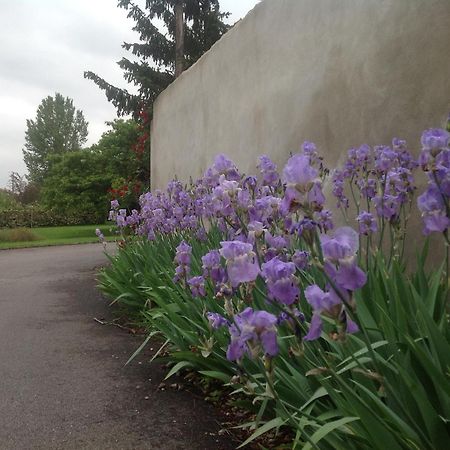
(241, 262)
(345, 277)
(380, 181)
(183, 261)
(275, 228)
(435, 160)
(251, 331)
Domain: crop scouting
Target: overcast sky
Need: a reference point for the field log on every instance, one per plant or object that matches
(45, 46)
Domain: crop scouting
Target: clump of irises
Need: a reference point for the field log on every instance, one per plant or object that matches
(277, 227)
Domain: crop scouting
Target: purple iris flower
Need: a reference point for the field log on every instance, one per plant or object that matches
(388, 206)
(183, 260)
(242, 265)
(435, 139)
(316, 197)
(250, 182)
(340, 252)
(243, 198)
(225, 166)
(431, 205)
(299, 176)
(201, 234)
(320, 301)
(268, 170)
(368, 187)
(211, 260)
(134, 218)
(442, 174)
(114, 204)
(324, 220)
(328, 303)
(264, 209)
(197, 285)
(301, 259)
(338, 181)
(121, 219)
(343, 245)
(299, 173)
(310, 149)
(303, 227)
(276, 242)
(216, 320)
(251, 331)
(280, 281)
(183, 254)
(211, 267)
(256, 227)
(398, 144)
(284, 317)
(315, 328)
(385, 158)
(367, 223)
(100, 235)
(350, 277)
(363, 155)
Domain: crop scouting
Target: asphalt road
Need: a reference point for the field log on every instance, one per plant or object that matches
(63, 384)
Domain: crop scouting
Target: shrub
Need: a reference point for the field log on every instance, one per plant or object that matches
(37, 216)
(7, 200)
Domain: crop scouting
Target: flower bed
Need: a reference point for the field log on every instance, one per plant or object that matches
(250, 283)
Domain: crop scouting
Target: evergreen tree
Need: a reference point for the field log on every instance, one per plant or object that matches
(57, 129)
(162, 56)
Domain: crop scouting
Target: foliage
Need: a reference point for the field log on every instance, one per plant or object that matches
(7, 200)
(24, 192)
(156, 49)
(126, 154)
(79, 182)
(326, 332)
(38, 216)
(16, 183)
(58, 128)
(115, 146)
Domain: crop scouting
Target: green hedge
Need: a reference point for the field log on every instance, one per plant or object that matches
(35, 216)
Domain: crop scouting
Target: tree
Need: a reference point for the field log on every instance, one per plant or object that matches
(23, 191)
(192, 28)
(76, 185)
(79, 182)
(16, 184)
(57, 129)
(7, 200)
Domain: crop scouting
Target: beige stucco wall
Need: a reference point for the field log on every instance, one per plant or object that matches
(336, 72)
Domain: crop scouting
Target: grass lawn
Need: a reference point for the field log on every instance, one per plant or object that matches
(40, 237)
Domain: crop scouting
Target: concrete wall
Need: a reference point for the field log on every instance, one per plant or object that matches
(336, 72)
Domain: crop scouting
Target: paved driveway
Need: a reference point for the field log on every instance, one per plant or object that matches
(63, 384)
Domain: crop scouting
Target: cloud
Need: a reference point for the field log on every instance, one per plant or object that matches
(46, 47)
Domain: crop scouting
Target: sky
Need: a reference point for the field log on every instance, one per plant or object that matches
(45, 46)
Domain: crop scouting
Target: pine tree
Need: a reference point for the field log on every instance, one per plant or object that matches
(58, 128)
(162, 56)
